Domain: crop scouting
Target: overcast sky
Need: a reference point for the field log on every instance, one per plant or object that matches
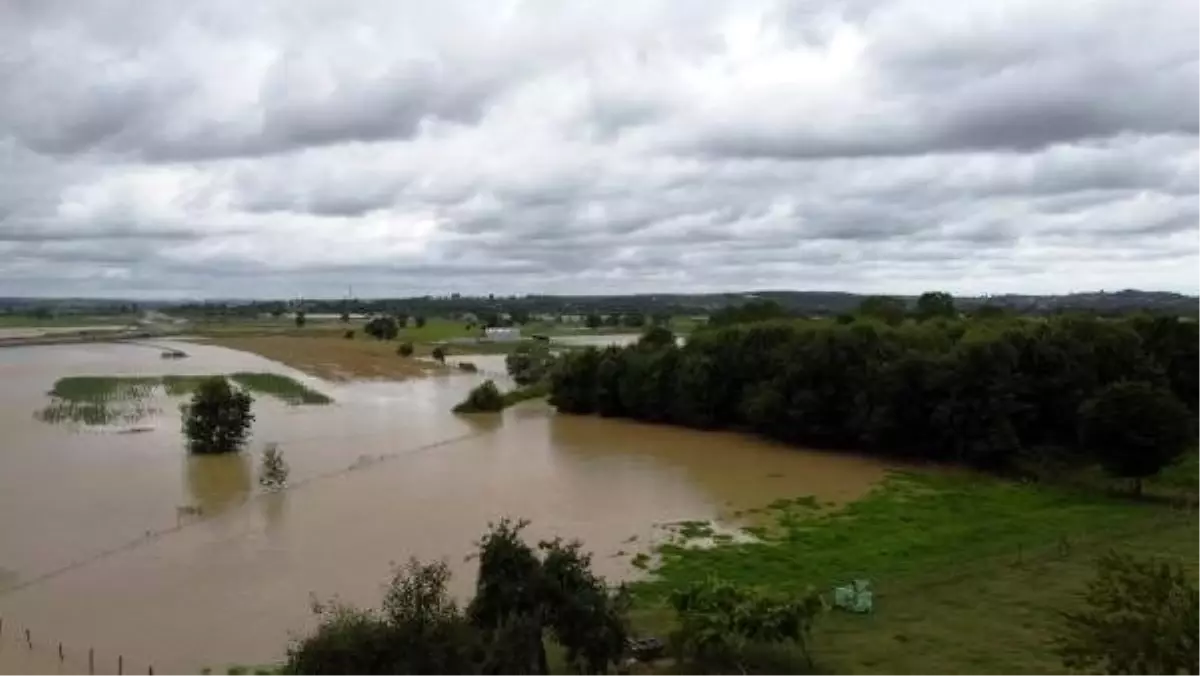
(276, 148)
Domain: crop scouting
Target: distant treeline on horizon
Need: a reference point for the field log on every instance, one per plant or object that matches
(813, 303)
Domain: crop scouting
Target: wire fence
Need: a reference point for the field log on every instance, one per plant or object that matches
(24, 652)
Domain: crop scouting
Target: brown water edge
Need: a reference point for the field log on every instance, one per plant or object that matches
(383, 474)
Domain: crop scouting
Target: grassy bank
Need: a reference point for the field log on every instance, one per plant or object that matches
(969, 572)
(61, 321)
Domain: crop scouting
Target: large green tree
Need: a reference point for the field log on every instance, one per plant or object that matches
(1135, 429)
(218, 417)
(522, 595)
(933, 304)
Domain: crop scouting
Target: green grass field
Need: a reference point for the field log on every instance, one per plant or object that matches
(281, 387)
(24, 321)
(969, 571)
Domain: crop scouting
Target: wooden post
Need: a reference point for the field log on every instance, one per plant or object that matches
(150, 670)
(120, 664)
(28, 639)
(60, 651)
(1, 626)
(91, 660)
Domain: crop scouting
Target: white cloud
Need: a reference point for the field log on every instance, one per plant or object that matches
(224, 149)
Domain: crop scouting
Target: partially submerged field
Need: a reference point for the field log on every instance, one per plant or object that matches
(101, 400)
(969, 572)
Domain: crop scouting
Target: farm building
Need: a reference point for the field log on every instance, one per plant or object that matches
(502, 334)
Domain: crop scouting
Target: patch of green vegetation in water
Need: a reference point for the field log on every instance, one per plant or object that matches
(103, 388)
(693, 530)
(107, 400)
(911, 522)
(99, 400)
(281, 387)
(180, 386)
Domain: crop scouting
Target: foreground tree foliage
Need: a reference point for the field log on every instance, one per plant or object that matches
(419, 630)
(523, 598)
(520, 596)
(1141, 618)
(977, 391)
(1135, 429)
(218, 417)
(728, 629)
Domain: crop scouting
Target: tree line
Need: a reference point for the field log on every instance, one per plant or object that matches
(981, 391)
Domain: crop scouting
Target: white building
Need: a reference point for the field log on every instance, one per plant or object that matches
(502, 334)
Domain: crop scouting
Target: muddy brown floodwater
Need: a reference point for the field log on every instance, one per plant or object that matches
(99, 546)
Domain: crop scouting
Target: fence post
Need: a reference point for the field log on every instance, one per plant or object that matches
(60, 651)
(120, 664)
(28, 639)
(91, 660)
(150, 670)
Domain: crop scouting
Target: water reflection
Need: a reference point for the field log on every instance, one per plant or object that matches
(217, 482)
(273, 506)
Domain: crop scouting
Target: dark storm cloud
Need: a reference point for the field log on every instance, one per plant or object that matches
(282, 148)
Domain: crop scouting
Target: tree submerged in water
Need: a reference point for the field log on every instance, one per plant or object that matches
(218, 418)
(485, 398)
(274, 471)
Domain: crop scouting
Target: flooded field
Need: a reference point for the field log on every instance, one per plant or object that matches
(122, 542)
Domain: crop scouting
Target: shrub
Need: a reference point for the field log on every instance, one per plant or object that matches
(218, 418)
(723, 628)
(419, 630)
(1141, 618)
(382, 328)
(405, 350)
(439, 353)
(349, 334)
(485, 398)
(274, 471)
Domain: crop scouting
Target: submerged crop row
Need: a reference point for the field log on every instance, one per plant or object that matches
(101, 400)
